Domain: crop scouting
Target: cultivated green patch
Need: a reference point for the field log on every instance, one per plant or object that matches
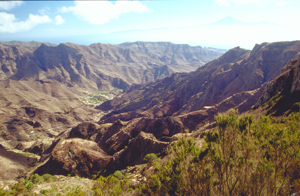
(98, 97)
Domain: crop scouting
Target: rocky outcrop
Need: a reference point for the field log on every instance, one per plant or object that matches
(88, 149)
(76, 157)
(134, 153)
(159, 127)
(83, 130)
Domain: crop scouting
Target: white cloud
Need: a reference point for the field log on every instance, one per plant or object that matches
(9, 24)
(8, 5)
(282, 3)
(100, 12)
(59, 20)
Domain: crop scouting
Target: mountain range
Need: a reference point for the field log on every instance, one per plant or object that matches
(100, 66)
(229, 81)
(169, 90)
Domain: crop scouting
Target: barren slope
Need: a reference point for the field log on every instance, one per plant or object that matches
(44, 108)
(100, 66)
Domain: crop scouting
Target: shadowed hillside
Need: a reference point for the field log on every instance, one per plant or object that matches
(233, 80)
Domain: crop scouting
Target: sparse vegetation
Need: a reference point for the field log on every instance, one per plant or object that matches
(28, 154)
(96, 98)
(37, 179)
(48, 185)
(118, 174)
(151, 158)
(111, 185)
(241, 156)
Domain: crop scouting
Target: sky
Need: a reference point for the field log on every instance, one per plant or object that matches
(208, 23)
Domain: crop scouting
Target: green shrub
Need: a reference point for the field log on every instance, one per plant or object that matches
(49, 178)
(107, 186)
(29, 186)
(151, 158)
(212, 136)
(36, 179)
(3, 193)
(118, 174)
(242, 157)
(18, 189)
(154, 183)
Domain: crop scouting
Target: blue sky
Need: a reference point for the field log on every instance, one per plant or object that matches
(191, 21)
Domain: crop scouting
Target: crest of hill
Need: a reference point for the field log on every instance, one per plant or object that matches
(100, 66)
(26, 44)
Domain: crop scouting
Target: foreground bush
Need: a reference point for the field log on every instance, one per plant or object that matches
(240, 157)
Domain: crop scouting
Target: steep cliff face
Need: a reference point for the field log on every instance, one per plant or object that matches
(280, 94)
(10, 57)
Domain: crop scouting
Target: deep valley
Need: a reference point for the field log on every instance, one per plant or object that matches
(149, 118)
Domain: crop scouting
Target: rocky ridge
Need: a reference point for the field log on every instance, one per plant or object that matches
(100, 66)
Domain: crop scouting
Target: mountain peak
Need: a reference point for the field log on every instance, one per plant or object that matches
(228, 20)
(231, 21)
